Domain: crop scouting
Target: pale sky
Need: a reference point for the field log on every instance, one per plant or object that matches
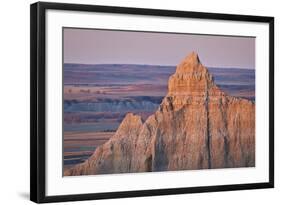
(90, 46)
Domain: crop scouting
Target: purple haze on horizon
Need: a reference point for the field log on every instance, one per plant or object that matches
(89, 46)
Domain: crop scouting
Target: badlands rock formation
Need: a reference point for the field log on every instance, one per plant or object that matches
(197, 126)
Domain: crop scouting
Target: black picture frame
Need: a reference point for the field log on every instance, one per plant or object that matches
(38, 101)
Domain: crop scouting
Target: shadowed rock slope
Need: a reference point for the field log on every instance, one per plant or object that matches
(197, 126)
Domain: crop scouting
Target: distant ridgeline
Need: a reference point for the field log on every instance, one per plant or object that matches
(235, 81)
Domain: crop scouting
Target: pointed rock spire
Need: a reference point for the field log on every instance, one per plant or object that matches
(190, 63)
(191, 78)
(192, 58)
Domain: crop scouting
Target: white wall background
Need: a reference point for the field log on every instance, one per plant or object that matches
(14, 101)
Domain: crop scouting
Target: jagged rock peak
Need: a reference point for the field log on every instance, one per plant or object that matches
(191, 63)
(130, 123)
(190, 78)
(192, 57)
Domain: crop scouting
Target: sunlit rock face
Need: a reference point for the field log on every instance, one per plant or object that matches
(197, 126)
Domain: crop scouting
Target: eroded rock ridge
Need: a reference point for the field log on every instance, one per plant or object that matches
(197, 126)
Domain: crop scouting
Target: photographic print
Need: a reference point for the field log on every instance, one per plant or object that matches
(133, 102)
(136, 101)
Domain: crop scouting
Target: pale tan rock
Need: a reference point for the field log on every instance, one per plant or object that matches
(197, 126)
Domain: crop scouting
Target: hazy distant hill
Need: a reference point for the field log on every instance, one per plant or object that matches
(125, 74)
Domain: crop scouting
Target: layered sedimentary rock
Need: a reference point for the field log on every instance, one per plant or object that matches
(197, 126)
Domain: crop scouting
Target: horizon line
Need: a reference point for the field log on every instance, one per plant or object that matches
(227, 67)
